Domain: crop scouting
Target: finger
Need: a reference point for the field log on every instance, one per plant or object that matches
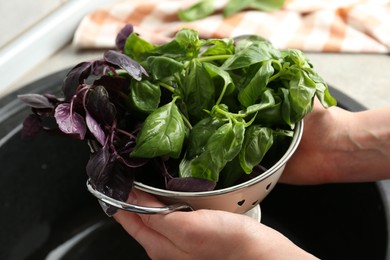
(185, 229)
(165, 224)
(147, 237)
(132, 222)
(155, 244)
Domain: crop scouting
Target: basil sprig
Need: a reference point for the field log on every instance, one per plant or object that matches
(228, 100)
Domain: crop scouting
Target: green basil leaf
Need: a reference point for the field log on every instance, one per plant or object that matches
(171, 49)
(137, 48)
(324, 96)
(235, 6)
(295, 57)
(162, 134)
(275, 111)
(144, 96)
(200, 134)
(231, 173)
(185, 46)
(271, 116)
(267, 5)
(322, 90)
(189, 40)
(267, 100)
(244, 41)
(162, 67)
(257, 85)
(204, 8)
(288, 115)
(282, 132)
(218, 47)
(257, 142)
(198, 89)
(301, 92)
(252, 54)
(223, 146)
(200, 10)
(215, 71)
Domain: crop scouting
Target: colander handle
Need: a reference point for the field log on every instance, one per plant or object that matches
(135, 208)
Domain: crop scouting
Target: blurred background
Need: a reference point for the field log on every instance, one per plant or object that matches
(35, 32)
(18, 16)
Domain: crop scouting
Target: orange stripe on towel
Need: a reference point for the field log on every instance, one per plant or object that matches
(337, 32)
(228, 25)
(139, 13)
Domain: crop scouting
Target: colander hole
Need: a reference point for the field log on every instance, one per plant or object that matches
(255, 202)
(268, 186)
(241, 202)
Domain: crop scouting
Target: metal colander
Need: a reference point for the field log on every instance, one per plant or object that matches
(240, 198)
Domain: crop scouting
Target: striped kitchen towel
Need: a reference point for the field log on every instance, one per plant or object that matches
(355, 26)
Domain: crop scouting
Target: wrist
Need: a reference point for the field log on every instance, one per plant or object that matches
(363, 146)
(275, 245)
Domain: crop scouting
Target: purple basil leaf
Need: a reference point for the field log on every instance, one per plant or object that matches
(52, 98)
(70, 123)
(36, 100)
(31, 126)
(95, 129)
(122, 36)
(75, 77)
(119, 184)
(132, 67)
(99, 105)
(111, 83)
(98, 67)
(97, 166)
(190, 184)
(101, 167)
(118, 89)
(109, 176)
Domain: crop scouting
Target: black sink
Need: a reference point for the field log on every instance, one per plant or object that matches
(46, 210)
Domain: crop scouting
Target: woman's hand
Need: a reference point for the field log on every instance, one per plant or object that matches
(341, 146)
(204, 234)
(313, 162)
